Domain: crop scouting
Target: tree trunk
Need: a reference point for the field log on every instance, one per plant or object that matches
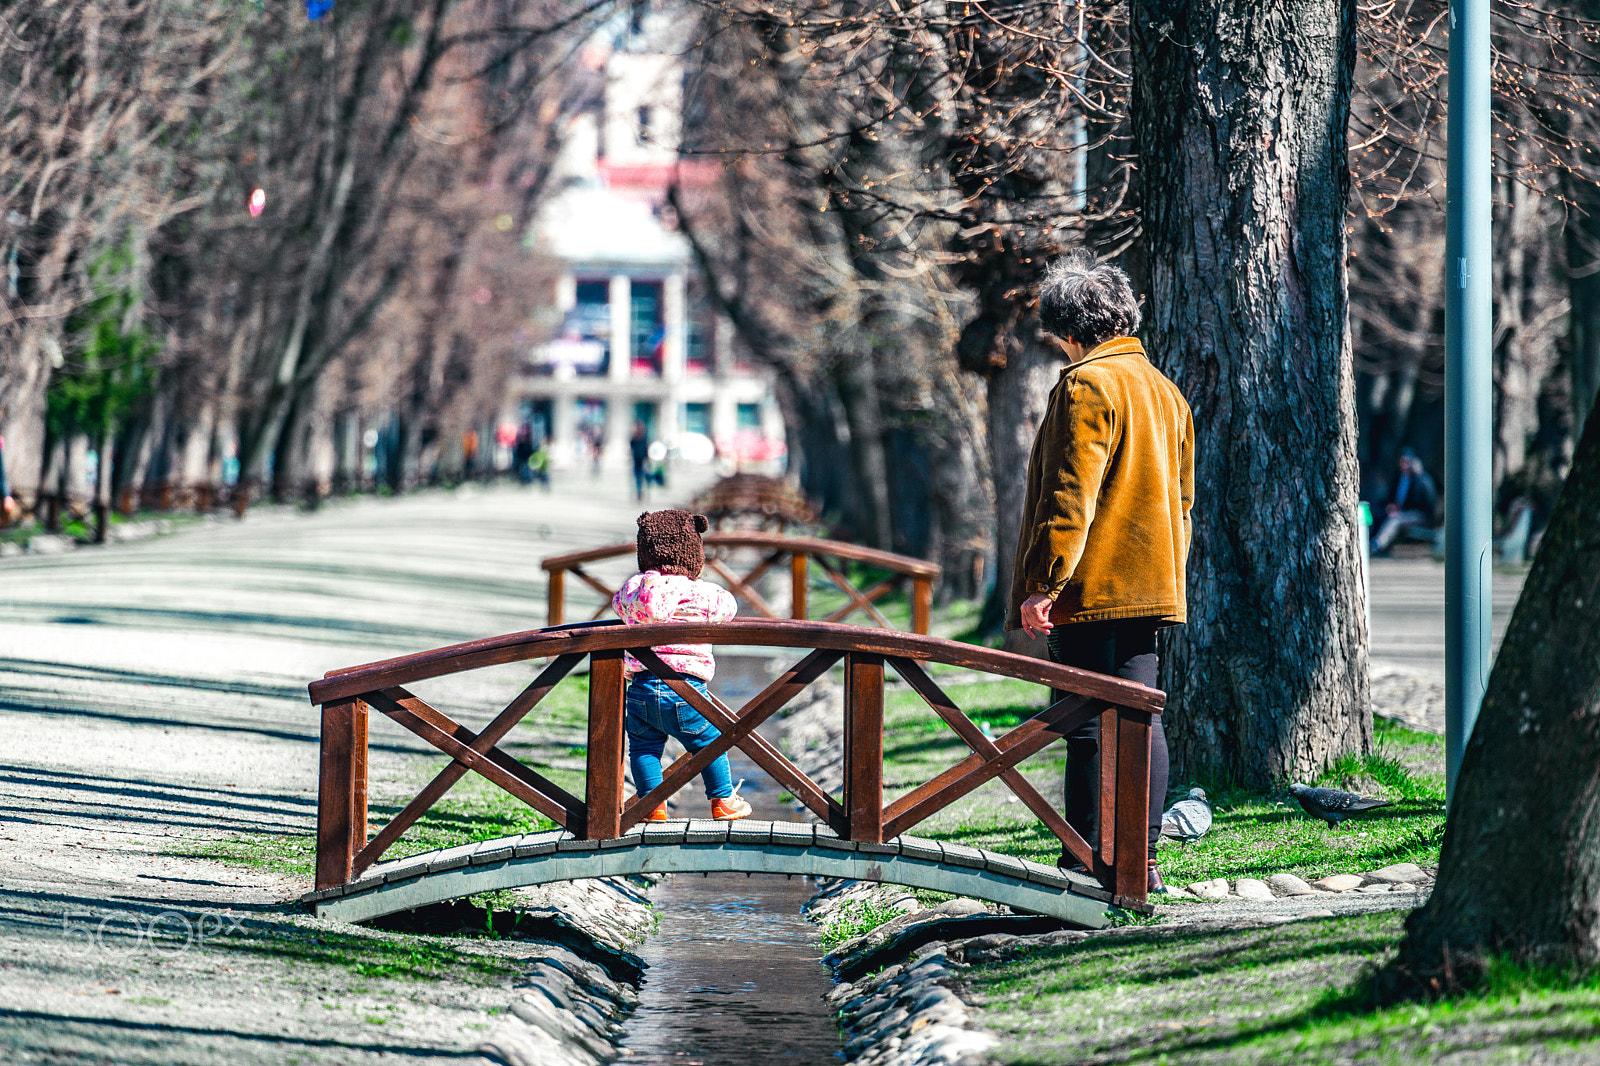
(1017, 400)
(1583, 273)
(1520, 869)
(1239, 116)
(856, 386)
(1002, 344)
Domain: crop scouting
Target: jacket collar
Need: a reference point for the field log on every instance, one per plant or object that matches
(1114, 346)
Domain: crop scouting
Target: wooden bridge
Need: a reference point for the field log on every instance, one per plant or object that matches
(857, 835)
(773, 548)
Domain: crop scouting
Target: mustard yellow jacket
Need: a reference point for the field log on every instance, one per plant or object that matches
(1105, 529)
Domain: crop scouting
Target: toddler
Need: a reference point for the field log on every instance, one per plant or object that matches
(668, 589)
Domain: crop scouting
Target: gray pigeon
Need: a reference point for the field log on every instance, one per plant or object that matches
(1188, 819)
(1332, 805)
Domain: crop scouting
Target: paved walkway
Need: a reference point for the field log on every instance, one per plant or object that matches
(1408, 625)
(1408, 612)
(152, 698)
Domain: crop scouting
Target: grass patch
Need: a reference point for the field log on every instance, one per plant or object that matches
(294, 856)
(481, 812)
(1287, 994)
(392, 957)
(823, 597)
(1256, 833)
(855, 918)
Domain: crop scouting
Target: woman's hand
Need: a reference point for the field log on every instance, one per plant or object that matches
(1036, 614)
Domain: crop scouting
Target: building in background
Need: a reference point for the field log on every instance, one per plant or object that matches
(633, 337)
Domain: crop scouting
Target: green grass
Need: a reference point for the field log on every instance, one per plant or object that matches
(1292, 993)
(823, 597)
(392, 957)
(480, 812)
(855, 918)
(1255, 834)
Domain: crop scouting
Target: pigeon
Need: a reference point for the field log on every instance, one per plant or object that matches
(1188, 819)
(1332, 805)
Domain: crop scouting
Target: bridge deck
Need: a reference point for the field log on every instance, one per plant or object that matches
(698, 846)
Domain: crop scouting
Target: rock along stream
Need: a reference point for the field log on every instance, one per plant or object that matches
(733, 974)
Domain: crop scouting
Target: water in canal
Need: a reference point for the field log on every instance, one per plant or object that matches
(733, 974)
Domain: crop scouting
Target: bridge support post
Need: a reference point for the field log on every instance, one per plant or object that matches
(341, 790)
(863, 747)
(1133, 806)
(921, 603)
(798, 581)
(556, 598)
(603, 778)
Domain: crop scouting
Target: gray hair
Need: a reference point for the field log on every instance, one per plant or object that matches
(1083, 300)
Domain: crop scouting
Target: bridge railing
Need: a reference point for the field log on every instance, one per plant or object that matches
(828, 556)
(860, 813)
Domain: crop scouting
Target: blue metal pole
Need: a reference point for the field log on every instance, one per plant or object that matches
(1469, 396)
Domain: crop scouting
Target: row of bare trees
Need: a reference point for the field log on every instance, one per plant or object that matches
(237, 234)
(896, 176)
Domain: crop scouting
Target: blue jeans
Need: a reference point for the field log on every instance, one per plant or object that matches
(655, 712)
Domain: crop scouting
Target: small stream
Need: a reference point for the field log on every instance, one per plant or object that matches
(733, 974)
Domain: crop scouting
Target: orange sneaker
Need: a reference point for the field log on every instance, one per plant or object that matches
(657, 815)
(730, 808)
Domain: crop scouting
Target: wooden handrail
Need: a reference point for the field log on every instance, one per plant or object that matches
(1124, 709)
(754, 632)
(921, 573)
(814, 545)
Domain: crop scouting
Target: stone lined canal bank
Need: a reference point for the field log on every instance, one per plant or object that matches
(575, 994)
(902, 1000)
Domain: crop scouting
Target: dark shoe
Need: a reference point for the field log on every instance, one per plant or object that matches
(1153, 885)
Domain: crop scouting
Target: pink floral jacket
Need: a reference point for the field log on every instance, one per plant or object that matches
(652, 596)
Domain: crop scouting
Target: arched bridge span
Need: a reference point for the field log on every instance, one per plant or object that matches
(715, 847)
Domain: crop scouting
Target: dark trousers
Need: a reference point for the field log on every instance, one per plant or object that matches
(1122, 648)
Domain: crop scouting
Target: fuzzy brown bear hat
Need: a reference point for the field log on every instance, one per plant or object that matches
(669, 541)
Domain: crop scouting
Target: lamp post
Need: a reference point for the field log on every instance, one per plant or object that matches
(1469, 397)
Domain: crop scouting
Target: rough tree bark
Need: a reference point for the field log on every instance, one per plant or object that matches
(1017, 386)
(1583, 280)
(1520, 868)
(1239, 117)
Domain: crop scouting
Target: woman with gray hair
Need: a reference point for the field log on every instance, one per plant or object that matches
(1105, 526)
